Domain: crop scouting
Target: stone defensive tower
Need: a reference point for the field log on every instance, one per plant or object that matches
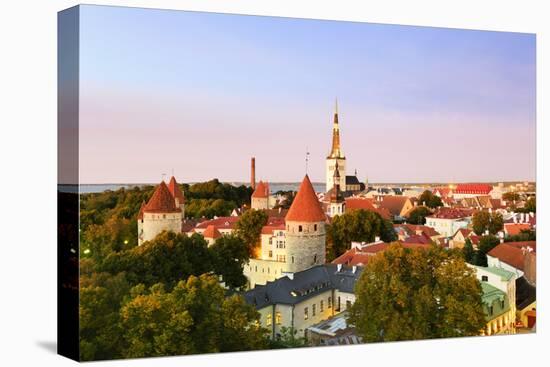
(305, 230)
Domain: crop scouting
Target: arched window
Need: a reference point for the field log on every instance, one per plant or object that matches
(315, 227)
(315, 259)
(299, 228)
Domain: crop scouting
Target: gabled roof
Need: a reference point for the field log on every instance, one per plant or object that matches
(352, 180)
(304, 285)
(356, 203)
(175, 190)
(306, 206)
(211, 232)
(261, 191)
(509, 254)
(393, 203)
(220, 223)
(162, 201)
(515, 228)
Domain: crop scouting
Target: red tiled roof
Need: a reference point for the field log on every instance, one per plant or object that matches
(473, 188)
(522, 244)
(366, 204)
(175, 190)
(393, 203)
(261, 191)
(162, 201)
(451, 213)
(418, 238)
(508, 254)
(211, 232)
(443, 191)
(515, 228)
(465, 232)
(306, 206)
(220, 223)
(429, 231)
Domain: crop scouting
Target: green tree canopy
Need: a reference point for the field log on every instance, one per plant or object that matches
(229, 254)
(168, 258)
(483, 221)
(249, 227)
(406, 294)
(510, 196)
(486, 244)
(195, 317)
(468, 251)
(357, 225)
(418, 215)
(430, 200)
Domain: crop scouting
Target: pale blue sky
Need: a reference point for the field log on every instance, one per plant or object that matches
(201, 93)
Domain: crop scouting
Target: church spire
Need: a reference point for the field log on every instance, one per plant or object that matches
(336, 151)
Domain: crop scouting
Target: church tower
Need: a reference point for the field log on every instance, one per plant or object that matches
(305, 230)
(337, 202)
(335, 156)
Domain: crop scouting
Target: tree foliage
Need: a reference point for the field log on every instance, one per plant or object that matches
(418, 215)
(406, 294)
(483, 221)
(249, 228)
(510, 196)
(357, 225)
(288, 339)
(430, 200)
(229, 255)
(195, 317)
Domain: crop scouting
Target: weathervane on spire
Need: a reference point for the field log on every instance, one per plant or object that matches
(307, 158)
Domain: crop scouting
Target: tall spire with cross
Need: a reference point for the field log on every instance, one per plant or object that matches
(336, 151)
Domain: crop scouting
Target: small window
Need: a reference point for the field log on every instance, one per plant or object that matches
(306, 313)
(268, 320)
(292, 258)
(299, 228)
(491, 310)
(270, 253)
(484, 278)
(164, 216)
(315, 227)
(321, 306)
(313, 309)
(315, 259)
(329, 302)
(278, 318)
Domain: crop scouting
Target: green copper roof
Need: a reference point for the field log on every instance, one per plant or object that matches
(492, 296)
(502, 273)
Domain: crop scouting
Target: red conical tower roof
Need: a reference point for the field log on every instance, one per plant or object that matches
(262, 190)
(162, 201)
(175, 190)
(141, 209)
(306, 207)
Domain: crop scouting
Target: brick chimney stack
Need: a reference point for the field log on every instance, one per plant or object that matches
(253, 173)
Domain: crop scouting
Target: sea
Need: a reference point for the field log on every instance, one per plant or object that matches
(97, 188)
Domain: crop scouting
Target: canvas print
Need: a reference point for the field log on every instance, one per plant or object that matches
(238, 183)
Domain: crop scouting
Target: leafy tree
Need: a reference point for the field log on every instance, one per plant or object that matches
(357, 225)
(510, 196)
(483, 221)
(249, 228)
(116, 234)
(288, 199)
(409, 294)
(194, 318)
(430, 200)
(100, 298)
(486, 244)
(418, 215)
(168, 258)
(524, 235)
(288, 339)
(529, 207)
(229, 254)
(468, 251)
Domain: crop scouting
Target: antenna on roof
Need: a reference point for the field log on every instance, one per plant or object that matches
(307, 158)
